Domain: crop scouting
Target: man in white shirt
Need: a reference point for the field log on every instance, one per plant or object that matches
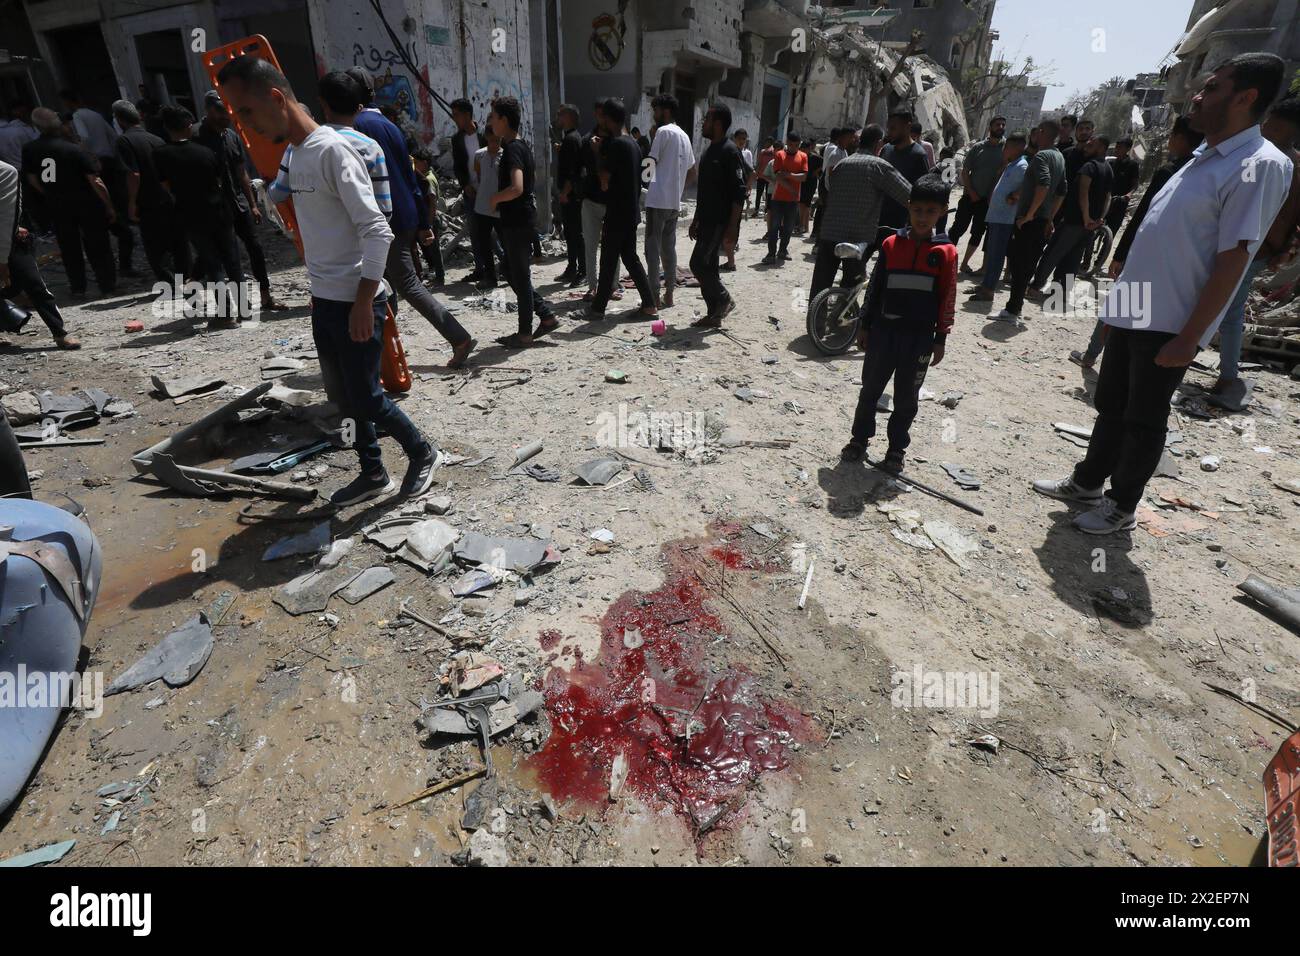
(671, 167)
(345, 241)
(15, 133)
(1185, 265)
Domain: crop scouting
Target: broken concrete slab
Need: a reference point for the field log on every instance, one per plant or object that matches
(177, 658)
(312, 591)
(368, 582)
(314, 541)
(510, 554)
(182, 385)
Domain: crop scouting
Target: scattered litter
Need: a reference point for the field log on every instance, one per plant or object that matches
(470, 670)
(177, 658)
(950, 399)
(1210, 463)
(524, 452)
(985, 742)
(951, 542)
(603, 535)
(803, 595)
(46, 854)
(964, 478)
(599, 471)
(616, 376)
(764, 530)
(338, 550)
(540, 472)
(475, 580)
(617, 776)
(633, 638)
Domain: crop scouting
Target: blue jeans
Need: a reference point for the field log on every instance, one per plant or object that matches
(998, 239)
(355, 367)
(1232, 329)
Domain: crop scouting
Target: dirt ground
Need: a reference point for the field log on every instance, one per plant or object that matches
(297, 740)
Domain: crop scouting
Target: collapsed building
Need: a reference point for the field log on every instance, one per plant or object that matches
(850, 78)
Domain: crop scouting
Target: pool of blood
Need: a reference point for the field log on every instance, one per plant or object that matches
(692, 739)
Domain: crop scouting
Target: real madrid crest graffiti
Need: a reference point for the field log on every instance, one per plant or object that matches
(606, 43)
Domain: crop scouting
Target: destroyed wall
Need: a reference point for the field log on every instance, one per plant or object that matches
(482, 56)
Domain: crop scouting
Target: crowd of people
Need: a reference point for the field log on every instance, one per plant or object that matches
(365, 196)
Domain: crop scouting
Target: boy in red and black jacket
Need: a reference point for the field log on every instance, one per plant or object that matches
(905, 321)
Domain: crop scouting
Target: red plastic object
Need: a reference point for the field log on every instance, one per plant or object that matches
(1282, 800)
(393, 371)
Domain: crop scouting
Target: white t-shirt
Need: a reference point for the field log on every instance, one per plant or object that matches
(673, 158)
(1226, 195)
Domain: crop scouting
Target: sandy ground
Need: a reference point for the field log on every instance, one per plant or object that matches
(297, 738)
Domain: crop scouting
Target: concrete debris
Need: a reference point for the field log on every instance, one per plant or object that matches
(177, 659)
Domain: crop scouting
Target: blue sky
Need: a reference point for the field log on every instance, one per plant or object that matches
(1138, 33)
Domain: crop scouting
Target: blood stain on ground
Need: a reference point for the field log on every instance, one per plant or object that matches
(692, 739)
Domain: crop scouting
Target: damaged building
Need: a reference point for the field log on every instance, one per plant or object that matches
(850, 76)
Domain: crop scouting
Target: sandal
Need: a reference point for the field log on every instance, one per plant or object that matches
(546, 325)
(515, 341)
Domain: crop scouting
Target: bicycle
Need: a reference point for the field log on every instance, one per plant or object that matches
(835, 313)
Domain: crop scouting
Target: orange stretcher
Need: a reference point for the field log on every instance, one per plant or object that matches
(394, 373)
(1282, 803)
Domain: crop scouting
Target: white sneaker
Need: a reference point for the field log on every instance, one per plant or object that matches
(1067, 490)
(1011, 317)
(1106, 518)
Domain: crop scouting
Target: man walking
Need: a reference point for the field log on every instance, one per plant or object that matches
(465, 142)
(67, 178)
(147, 203)
(1084, 211)
(568, 184)
(19, 272)
(620, 174)
(192, 175)
(345, 242)
(100, 139)
(595, 204)
(860, 184)
(723, 181)
(789, 170)
(216, 132)
(516, 208)
(980, 171)
(410, 223)
(1000, 220)
(1188, 260)
(1034, 212)
(672, 168)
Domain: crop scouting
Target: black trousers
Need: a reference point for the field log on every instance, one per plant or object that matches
(86, 226)
(163, 235)
(25, 277)
(1132, 401)
(432, 254)
(828, 264)
(785, 215)
(400, 272)
(571, 216)
(13, 470)
(704, 264)
(1026, 248)
(518, 244)
(217, 253)
(618, 241)
(970, 215)
(247, 233)
(760, 190)
(114, 177)
(901, 350)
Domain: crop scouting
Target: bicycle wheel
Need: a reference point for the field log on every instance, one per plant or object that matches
(833, 320)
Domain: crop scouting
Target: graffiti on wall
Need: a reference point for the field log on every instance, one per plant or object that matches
(391, 89)
(605, 45)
